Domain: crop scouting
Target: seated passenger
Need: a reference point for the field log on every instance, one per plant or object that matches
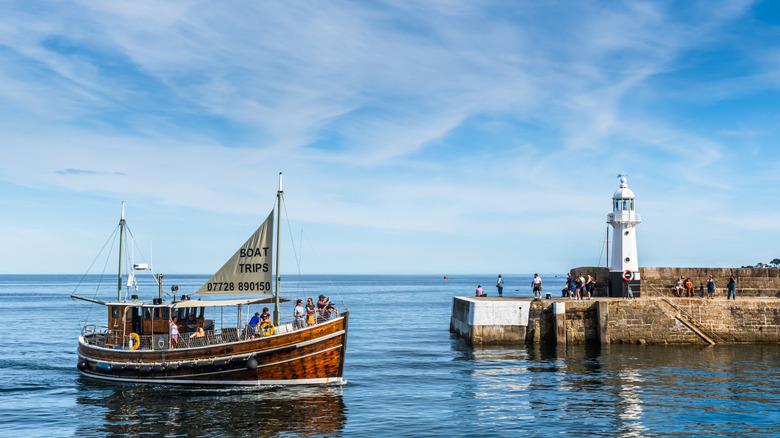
(198, 334)
(330, 312)
(192, 324)
(265, 317)
(254, 326)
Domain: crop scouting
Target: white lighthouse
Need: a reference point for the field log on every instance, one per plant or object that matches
(624, 219)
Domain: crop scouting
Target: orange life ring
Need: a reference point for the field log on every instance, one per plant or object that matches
(267, 328)
(135, 341)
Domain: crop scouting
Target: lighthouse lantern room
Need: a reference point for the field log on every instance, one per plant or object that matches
(624, 219)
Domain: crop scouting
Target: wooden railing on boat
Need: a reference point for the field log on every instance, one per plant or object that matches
(102, 336)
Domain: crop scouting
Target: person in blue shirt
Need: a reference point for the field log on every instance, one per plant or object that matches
(253, 326)
(299, 315)
(191, 324)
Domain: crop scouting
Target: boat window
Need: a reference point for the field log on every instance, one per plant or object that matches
(156, 313)
(115, 311)
(147, 313)
(202, 310)
(166, 313)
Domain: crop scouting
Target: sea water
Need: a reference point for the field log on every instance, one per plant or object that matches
(407, 375)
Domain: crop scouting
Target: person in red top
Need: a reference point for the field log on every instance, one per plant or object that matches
(688, 287)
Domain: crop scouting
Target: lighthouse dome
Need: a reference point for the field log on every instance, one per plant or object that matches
(623, 192)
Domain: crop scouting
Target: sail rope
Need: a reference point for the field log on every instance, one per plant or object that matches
(148, 263)
(112, 239)
(300, 287)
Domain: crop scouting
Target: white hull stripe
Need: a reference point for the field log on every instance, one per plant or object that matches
(258, 383)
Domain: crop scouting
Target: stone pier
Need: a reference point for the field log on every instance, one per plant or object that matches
(652, 320)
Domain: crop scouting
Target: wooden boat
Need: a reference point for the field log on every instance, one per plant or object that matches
(137, 345)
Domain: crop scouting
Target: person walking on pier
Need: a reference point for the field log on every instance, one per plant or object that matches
(711, 288)
(569, 284)
(500, 286)
(732, 287)
(536, 283)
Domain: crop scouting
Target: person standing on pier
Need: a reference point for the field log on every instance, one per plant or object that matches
(711, 288)
(500, 286)
(536, 283)
(732, 288)
(569, 284)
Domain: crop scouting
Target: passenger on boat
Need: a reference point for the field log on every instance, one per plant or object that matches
(265, 317)
(330, 312)
(311, 311)
(174, 332)
(192, 324)
(254, 326)
(322, 304)
(299, 315)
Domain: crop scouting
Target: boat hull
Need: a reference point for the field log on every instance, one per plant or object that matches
(311, 356)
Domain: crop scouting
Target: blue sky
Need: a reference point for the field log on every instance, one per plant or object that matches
(415, 137)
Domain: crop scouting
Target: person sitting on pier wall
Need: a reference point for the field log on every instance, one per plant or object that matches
(678, 287)
(689, 292)
(711, 288)
(480, 292)
(732, 287)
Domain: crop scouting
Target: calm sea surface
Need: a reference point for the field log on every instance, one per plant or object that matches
(407, 375)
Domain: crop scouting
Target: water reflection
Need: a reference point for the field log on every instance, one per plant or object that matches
(131, 410)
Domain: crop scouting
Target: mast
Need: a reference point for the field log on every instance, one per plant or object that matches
(121, 249)
(278, 246)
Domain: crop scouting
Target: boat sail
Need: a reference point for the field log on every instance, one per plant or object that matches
(176, 342)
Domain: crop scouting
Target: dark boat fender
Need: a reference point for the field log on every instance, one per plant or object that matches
(251, 363)
(82, 365)
(238, 360)
(171, 367)
(103, 367)
(188, 364)
(133, 367)
(159, 368)
(221, 362)
(145, 368)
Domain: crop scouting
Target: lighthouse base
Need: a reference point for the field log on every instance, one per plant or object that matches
(618, 286)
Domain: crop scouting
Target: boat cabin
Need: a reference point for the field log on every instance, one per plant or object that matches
(148, 319)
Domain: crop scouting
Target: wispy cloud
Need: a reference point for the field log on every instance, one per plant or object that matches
(489, 119)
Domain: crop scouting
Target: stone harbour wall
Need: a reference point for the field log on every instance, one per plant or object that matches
(613, 320)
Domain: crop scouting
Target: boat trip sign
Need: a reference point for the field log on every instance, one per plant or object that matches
(249, 270)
